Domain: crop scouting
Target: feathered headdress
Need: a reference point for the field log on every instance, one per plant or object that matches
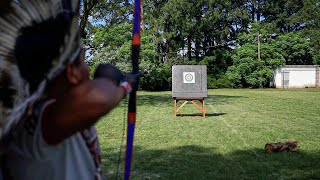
(33, 33)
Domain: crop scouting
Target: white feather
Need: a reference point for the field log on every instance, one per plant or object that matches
(7, 27)
(23, 15)
(7, 41)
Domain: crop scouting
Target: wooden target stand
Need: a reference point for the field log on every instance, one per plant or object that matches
(193, 101)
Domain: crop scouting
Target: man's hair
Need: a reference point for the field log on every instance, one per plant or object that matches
(37, 47)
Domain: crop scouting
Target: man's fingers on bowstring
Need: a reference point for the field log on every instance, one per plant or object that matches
(133, 78)
(130, 82)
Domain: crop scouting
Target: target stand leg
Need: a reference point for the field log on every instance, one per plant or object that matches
(192, 100)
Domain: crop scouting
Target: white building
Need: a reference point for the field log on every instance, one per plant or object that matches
(297, 76)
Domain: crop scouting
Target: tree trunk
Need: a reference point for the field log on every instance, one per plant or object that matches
(189, 48)
(258, 10)
(87, 7)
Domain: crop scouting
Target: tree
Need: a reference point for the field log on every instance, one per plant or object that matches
(247, 70)
(310, 16)
(221, 34)
(281, 14)
(294, 48)
(87, 6)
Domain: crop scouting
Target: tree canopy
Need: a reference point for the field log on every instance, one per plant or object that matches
(222, 34)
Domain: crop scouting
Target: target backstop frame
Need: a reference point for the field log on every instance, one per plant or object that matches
(189, 83)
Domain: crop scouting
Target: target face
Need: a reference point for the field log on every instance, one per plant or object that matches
(189, 77)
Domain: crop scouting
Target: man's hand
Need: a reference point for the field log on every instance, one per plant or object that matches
(109, 71)
(126, 81)
(133, 78)
(130, 81)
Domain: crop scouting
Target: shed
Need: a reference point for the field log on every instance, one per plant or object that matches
(297, 76)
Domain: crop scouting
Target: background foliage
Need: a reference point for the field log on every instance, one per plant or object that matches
(222, 34)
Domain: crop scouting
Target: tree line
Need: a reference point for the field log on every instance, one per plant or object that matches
(240, 41)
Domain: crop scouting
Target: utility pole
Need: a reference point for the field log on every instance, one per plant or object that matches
(258, 34)
(258, 46)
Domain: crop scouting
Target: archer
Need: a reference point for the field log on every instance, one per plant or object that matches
(54, 137)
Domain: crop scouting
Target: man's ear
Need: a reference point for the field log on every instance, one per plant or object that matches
(73, 74)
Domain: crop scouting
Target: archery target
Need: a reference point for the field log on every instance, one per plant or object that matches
(189, 77)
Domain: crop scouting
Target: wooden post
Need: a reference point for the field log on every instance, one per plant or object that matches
(175, 107)
(204, 110)
(317, 76)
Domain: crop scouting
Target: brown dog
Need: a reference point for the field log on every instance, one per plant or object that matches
(281, 146)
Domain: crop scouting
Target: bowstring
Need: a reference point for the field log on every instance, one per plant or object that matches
(125, 107)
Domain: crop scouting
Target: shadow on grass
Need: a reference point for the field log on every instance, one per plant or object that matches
(199, 114)
(221, 99)
(195, 162)
(152, 100)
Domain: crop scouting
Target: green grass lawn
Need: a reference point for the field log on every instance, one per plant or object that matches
(227, 144)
